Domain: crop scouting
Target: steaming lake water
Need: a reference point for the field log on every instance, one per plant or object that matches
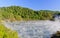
(34, 29)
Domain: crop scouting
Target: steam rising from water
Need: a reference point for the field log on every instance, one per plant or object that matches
(34, 29)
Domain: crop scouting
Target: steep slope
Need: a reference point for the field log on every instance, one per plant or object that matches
(18, 13)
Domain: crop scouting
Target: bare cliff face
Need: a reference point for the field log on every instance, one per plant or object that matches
(34, 29)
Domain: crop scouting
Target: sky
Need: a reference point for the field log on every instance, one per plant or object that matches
(33, 4)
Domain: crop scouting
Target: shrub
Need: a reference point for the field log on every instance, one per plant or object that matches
(7, 33)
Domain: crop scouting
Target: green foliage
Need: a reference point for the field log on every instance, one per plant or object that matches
(7, 33)
(20, 13)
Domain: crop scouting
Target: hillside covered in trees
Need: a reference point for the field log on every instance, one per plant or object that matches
(18, 13)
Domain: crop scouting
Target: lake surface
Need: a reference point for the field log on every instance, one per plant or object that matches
(34, 29)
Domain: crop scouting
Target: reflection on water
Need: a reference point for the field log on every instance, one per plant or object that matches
(34, 29)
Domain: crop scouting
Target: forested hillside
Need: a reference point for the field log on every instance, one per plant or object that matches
(18, 13)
